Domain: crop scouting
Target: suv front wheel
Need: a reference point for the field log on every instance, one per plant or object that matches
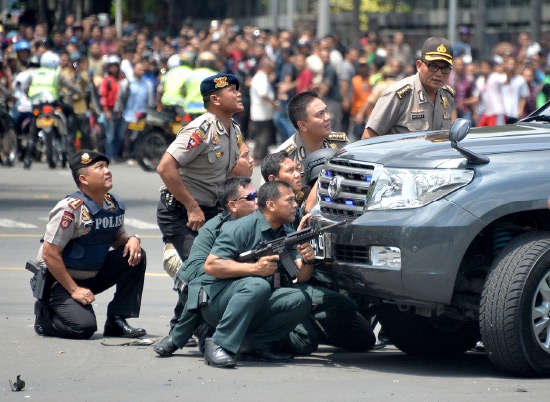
(515, 307)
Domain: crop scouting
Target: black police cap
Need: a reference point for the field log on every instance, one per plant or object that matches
(218, 81)
(85, 158)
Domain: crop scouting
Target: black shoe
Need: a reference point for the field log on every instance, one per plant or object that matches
(216, 356)
(166, 347)
(191, 343)
(270, 356)
(117, 326)
(202, 332)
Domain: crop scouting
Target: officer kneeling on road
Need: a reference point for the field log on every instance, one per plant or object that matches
(75, 249)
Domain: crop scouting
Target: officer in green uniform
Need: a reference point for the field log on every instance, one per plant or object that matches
(420, 102)
(238, 197)
(250, 317)
(340, 323)
(310, 116)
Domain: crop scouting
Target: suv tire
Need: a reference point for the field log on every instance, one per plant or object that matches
(515, 306)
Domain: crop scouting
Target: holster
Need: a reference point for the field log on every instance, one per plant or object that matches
(180, 285)
(38, 281)
(169, 201)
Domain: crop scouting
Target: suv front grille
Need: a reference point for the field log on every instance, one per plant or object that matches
(343, 187)
(351, 254)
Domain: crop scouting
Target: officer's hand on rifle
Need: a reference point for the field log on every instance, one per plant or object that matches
(266, 266)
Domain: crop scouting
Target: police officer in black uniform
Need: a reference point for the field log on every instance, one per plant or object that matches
(82, 229)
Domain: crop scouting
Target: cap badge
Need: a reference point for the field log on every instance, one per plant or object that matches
(221, 82)
(85, 158)
(442, 49)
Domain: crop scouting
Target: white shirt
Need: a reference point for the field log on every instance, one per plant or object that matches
(260, 88)
(512, 92)
(491, 94)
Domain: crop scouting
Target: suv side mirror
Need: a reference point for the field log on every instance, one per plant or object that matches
(459, 130)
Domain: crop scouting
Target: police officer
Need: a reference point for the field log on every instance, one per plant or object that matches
(311, 118)
(198, 162)
(76, 251)
(205, 66)
(171, 88)
(420, 102)
(46, 79)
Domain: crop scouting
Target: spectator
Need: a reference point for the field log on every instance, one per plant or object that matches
(347, 72)
(514, 92)
(528, 75)
(464, 86)
(361, 90)
(286, 89)
(401, 50)
(330, 91)
(305, 76)
(262, 107)
(462, 46)
(489, 95)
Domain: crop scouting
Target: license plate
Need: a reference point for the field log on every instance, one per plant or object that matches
(320, 244)
(46, 121)
(176, 127)
(136, 125)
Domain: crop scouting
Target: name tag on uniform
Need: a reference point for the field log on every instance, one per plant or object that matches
(417, 114)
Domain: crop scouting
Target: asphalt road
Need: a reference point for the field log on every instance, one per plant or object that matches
(69, 370)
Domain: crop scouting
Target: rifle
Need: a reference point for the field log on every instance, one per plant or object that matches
(282, 246)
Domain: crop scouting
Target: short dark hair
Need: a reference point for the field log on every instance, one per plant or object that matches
(272, 164)
(230, 189)
(76, 174)
(297, 107)
(270, 191)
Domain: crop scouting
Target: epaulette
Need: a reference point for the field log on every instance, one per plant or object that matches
(402, 92)
(449, 89)
(341, 136)
(235, 123)
(291, 148)
(76, 203)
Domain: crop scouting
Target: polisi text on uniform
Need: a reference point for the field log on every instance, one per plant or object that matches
(109, 222)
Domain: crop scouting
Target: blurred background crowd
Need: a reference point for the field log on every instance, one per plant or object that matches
(349, 77)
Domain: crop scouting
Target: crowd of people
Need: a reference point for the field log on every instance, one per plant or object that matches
(117, 77)
(312, 95)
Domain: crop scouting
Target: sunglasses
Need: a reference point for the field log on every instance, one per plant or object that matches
(248, 197)
(434, 67)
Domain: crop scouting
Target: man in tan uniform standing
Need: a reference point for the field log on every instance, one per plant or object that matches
(421, 102)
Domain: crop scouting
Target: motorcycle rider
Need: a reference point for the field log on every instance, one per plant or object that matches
(23, 50)
(45, 78)
(171, 88)
(205, 67)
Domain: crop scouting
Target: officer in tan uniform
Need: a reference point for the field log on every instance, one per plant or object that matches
(421, 102)
(198, 162)
(310, 116)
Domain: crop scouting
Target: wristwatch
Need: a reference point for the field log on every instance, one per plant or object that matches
(137, 237)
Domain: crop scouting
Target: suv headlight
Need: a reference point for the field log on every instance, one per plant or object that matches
(413, 188)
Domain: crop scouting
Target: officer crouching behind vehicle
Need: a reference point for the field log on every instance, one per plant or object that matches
(75, 248)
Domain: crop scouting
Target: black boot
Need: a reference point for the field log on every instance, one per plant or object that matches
(216, 356)
(117, 326)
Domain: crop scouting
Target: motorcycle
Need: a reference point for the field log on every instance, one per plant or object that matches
(153, 131)
(51, 124)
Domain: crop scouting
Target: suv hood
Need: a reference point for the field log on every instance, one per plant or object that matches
(431, 149)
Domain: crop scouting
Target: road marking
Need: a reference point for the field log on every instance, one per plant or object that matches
(136, 223)
(10, 223)
(23, 269)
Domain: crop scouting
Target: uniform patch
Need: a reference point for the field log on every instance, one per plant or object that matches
(219, 126)
(302, 152)
(402, 92)
(69, 214)
(200, 134)
(449, 89)
(205, 126)
(445, 102)
(417, 114)
(110, 201)
(86, 217)
(240, 140)
(338, 136)
(76, 203)
(421, 96)
(194, 141)
(65, 222)
(291, 148)
(221, 82)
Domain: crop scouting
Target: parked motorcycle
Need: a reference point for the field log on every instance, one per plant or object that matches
(153, 131)
(48, 132)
